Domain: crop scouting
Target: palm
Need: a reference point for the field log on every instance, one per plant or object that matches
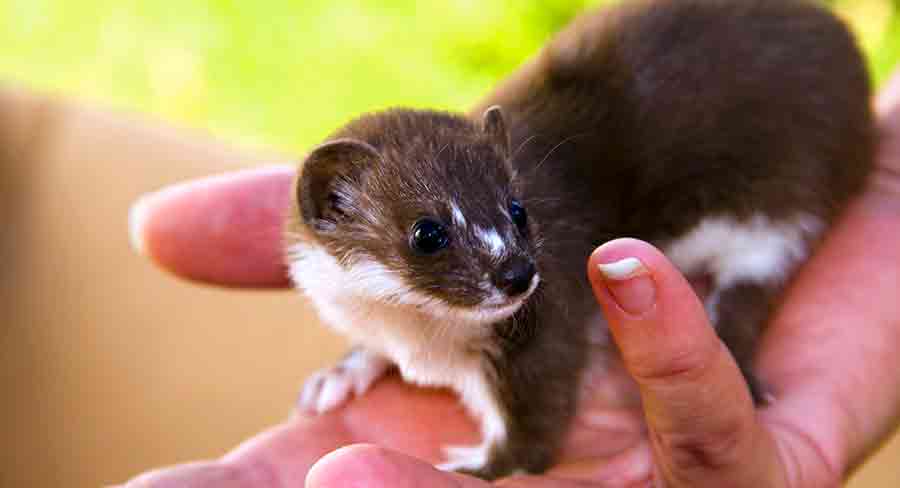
(826, 371)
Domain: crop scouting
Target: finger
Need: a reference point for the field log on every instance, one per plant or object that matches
(888, 102)
(377, 467)
(279, 457)
(394, 414)
(224, 230)
(631, 467)
(201, 475)
(700, 416)
(887, 175)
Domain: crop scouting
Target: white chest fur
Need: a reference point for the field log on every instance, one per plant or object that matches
(756, 250)
(377, 311)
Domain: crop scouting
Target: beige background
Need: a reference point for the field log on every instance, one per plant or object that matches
(112, 366)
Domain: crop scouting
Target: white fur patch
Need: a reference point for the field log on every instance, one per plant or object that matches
(331, 387)
(368, 283)
(427, 338)
(470, 458)
(492, 241)
(322, 278)
(481, 403)
(459, 219)
(316, 272)
(758, 249)
(432, 343)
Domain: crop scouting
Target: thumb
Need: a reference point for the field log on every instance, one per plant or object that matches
(376, 467)
(700, 417)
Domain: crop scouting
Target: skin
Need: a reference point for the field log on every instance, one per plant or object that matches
(829, 358)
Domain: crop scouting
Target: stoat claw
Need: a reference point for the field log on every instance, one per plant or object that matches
(331, 387)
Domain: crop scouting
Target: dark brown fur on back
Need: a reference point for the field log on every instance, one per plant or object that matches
(674, 109)
(641, 120)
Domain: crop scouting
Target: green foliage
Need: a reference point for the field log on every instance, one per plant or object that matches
(288, 72)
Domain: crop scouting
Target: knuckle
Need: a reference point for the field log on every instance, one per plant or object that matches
(705, 449)
(684, 364)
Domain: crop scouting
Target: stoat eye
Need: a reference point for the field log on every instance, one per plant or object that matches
(429, 237)
(518, 214)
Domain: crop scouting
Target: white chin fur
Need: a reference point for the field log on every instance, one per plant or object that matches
(324, 280)
(490, 311)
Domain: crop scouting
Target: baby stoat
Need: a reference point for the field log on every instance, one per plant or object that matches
(728, 133)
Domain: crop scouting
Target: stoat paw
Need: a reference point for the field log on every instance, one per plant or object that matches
(331, 387)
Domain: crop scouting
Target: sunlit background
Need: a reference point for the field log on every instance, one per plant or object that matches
(111, 366)
(284, 73)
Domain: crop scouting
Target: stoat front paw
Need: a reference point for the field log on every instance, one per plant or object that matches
(329, 388)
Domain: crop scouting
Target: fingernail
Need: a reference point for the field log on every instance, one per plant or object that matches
(141, 209)
(630, 284)
(137, 217)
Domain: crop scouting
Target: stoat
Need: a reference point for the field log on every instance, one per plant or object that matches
(453, 246)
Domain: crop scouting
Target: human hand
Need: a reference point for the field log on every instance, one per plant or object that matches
(226, 230)
(828, 356)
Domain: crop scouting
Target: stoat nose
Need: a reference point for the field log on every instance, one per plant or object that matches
(515, 276)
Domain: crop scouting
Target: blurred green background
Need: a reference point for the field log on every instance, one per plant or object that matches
(112, 367)
(285, 73)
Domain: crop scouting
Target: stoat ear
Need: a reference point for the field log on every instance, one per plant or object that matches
(495, 127)
(330, 180)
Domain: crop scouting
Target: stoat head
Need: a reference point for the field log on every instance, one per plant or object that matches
(418, 209)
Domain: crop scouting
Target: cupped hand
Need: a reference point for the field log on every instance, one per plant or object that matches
(829, 358)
